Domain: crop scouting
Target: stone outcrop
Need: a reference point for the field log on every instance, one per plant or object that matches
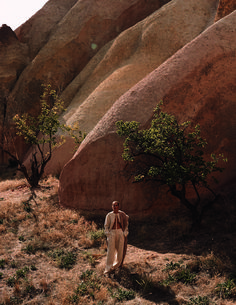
(197, 84)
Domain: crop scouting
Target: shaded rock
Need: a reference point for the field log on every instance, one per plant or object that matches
(13, 59)
(7, 36)
(37, 30)
(197, 84)
(225, 8)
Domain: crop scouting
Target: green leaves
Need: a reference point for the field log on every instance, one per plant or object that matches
(46, 124)
(41, 133)
(178, 153)
(169, 152)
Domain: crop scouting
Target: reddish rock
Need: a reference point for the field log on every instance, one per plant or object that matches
(86, 27)
(13, 59)
(36, 31)
(197, 84)
(131, 56)
(123, 62)
(225, 8)
(73, 41)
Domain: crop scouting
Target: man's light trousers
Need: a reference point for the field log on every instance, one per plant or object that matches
(115, 249)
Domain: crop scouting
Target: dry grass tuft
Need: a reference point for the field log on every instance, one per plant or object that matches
(12, 184)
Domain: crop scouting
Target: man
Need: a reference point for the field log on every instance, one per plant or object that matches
(116, 230)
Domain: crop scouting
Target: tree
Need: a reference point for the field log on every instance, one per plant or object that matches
(40, 133)
(171, 154)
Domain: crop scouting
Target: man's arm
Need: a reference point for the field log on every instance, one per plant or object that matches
(125, 223)
(126, 231)
(107, 224)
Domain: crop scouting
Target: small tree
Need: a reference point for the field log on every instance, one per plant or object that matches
(170, 155)
(40, 133)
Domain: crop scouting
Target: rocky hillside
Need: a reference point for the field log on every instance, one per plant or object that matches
(113, 60)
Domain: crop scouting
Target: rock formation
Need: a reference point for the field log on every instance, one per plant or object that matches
(197, 84)
(84, 29)
(124, 61)
(36, 31)
(58, 41)
(13, 59)
(112, 60)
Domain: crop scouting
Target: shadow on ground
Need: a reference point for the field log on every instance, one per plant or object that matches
(145, 287)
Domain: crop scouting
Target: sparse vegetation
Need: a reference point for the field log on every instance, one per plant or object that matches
(172, 154)
(53, 255)
(64, 259)
(199, 301)
(226, 290)
(41, 134)
(122, 295)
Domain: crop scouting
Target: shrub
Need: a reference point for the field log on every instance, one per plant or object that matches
(87, 287)
(122, 295)
(97, 236)
(11, 281)
(30, 249)
(22, 272)
(199, 301)
(64, 259)
(226, 290)
(171, 266)
(171, 154)
(182, 274)
(46, 124)
(21, 238)
(2, 263)
(185, 276)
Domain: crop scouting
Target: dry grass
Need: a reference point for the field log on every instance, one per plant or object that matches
(51, 255)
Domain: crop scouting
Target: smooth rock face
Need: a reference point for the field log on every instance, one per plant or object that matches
(134, 54)
(123, 62)
(197, 84)
(73, 41)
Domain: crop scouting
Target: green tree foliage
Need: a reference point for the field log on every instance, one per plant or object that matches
(171, 154)
(41, 134)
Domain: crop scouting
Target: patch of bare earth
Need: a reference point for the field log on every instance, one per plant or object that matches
(52, 255)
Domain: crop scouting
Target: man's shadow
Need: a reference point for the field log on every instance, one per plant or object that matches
(146, 287)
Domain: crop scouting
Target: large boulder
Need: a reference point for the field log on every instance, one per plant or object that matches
(123, 62)
(198, 84)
